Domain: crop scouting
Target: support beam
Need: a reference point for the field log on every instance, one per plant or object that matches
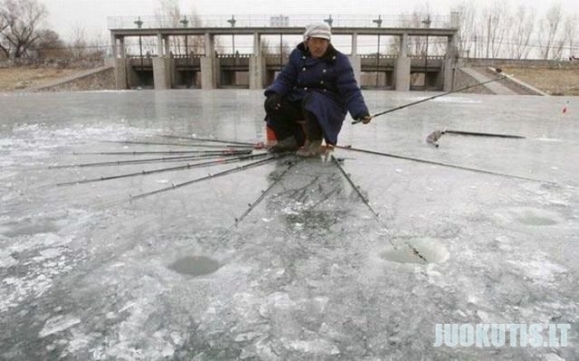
(449, 63)
(167, 46)
(356, 63)
(209, 64)
(355, 60)
(115, 49)
(403, 64)
(160, 45)
(123, 51)
(162, 73)
(121, 82)
(256, 64)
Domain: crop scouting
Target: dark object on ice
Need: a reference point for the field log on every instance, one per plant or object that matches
(437, 134)
(434, 137)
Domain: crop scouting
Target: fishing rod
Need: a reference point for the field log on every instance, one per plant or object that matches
(434, 97)
(263, 194)
(444, 164)
(161, 152)
(433, 137)
(207, 140)
(174, 144)
(170, 169)
(152, 160)
(479, 134)
(376, 214)
(210, 176)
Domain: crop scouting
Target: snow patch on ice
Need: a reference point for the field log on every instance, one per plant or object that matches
(6, 260)
(58, 324)
(539, 270)
(318, 347)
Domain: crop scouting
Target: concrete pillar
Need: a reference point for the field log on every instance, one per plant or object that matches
(356, 63)
(160, 45)
(115, 50)
(256, 64)
(167, 46)
(162, 73)
(123, 51)
(449, 63)
(354, 44)
(403, 64)
(120, 73)
(209, 64)
(119, 62)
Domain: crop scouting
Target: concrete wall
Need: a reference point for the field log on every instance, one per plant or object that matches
(463, 80)
(103, 80)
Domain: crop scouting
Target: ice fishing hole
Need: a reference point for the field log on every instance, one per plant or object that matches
(411, 250)
(195, 266)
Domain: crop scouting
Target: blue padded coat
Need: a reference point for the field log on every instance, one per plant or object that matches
(326, 86)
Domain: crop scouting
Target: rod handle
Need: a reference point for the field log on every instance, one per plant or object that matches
(356, 121)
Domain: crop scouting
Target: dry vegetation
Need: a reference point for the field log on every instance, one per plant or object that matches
(24, 78)
(563, 81)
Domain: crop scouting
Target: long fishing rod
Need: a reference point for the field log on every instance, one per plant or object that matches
(434, 97)
(152, 160)
(207, 140)
(444, 164)
(263, 194)
(210, 176)
(161, 152)
(480, 134)
(170, 169)
(175, 144)
(376, 214)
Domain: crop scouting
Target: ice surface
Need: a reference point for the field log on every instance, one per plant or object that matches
(86, 273)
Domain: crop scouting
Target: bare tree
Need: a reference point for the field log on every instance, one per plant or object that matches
(96, 49)
(169, 13)
(78, 43)
(21, 21)
(520, 32)
(496, 27)
(49, 45)
(570, 31)
(549, 29)
(467, 36)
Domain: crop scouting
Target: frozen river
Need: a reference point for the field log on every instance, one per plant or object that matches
(285, 260)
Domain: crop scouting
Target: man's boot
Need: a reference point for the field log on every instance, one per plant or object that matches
(288, 144)
(312, 148)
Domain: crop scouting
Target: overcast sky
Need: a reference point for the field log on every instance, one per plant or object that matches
(92, 14)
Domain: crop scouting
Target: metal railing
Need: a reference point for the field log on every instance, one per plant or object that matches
(240, 21)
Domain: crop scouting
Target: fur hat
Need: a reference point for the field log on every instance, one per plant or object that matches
(318, 30)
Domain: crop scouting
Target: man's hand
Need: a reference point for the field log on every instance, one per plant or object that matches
(273, 102)
(364, 118)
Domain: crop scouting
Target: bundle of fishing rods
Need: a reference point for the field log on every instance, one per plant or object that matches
(199, 152)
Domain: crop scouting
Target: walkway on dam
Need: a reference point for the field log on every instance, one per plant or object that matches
(495, 87)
